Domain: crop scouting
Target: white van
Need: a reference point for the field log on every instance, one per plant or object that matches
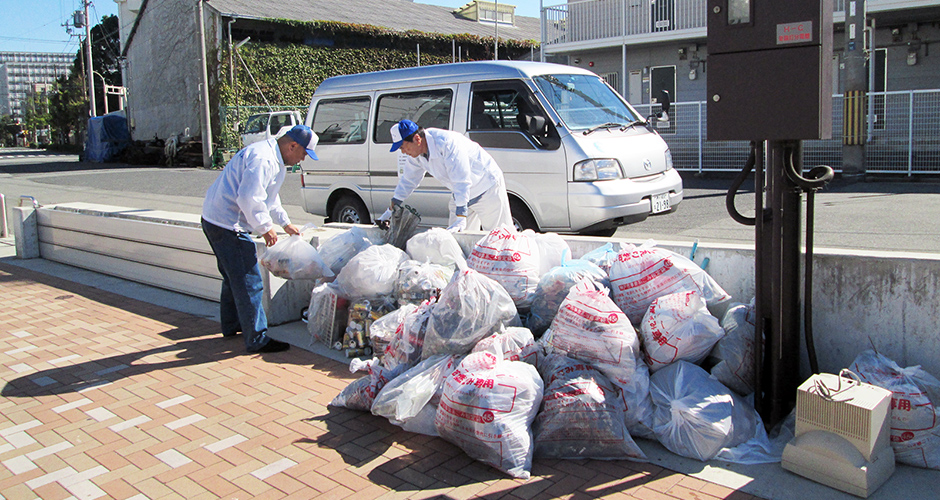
(263, 126)
(576, 156)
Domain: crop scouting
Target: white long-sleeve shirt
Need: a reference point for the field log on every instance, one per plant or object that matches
(460, 164)
(245, 195)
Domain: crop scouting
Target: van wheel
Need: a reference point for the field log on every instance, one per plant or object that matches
(521, 217)
(350, 210)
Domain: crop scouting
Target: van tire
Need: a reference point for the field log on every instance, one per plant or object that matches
(521, 217)
(350, 210)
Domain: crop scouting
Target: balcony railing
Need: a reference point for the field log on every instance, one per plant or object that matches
(592, 20)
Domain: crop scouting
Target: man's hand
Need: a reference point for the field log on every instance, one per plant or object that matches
(270, 238)
(383, 220)
(460, 223)
(291, 229)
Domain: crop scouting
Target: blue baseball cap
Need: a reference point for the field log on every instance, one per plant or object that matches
(401, 131)
(301, 134)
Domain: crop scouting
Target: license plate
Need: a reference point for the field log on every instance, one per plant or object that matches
(659, 203)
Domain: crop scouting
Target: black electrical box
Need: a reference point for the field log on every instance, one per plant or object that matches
(769, 70)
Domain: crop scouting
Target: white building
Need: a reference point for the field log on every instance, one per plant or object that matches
(20, 72)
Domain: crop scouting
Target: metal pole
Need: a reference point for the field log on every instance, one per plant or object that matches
(4, 231)
(542, 24)
(204, 96)
(88, 67)
(419, 54)
(496, 37)
(231, 56)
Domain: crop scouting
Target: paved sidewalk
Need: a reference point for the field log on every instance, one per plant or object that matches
(105, 396)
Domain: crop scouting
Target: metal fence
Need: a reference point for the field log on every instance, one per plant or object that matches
(905, 137)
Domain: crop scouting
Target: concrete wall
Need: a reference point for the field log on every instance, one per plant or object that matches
(163, 73)
(886, 300)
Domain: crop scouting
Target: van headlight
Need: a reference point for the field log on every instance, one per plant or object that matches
(597, 170)
(668, 159)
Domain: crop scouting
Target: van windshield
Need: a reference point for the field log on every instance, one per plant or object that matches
(585, 101)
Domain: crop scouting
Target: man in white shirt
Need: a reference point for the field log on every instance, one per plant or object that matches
(461, 165)
(244, 198)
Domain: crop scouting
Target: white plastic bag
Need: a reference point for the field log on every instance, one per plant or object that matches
(404, 400)
(678, 326)
(372, 272)
(732, 358)
(553, 250)
(487, 408)
(643, 273)
(511, 259)
(553, 288)
(582, 414)
(694, 415)
(418, 281)
(437, 246)
(360, 393)
(515, 343)
(591, 328)
(470, 308)
(915, 407)
(293, 258)
(338, 250)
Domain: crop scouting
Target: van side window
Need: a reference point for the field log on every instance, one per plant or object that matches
(431, 108)
(506, 114)
(278, 122)
(341, 121)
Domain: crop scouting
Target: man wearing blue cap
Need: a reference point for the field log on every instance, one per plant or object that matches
(475, 180)
(244, 198)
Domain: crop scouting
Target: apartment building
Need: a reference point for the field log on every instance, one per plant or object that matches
(22, 73)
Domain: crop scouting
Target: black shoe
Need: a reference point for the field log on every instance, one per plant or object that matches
(229, 335)
(274, 346)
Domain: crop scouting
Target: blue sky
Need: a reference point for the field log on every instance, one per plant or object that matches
(36, 25)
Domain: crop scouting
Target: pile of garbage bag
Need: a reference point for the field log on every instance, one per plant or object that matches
(517, 350)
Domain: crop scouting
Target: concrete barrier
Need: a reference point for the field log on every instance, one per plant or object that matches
(886, 300)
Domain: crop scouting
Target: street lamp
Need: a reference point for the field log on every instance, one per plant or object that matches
(104, 93)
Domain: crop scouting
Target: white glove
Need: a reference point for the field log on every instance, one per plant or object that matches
(459, 224)
(386, 216)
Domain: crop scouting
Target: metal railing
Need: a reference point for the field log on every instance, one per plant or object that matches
(905, 138)
(586, 20)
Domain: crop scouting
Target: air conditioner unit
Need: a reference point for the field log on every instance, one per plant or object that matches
(842, 437)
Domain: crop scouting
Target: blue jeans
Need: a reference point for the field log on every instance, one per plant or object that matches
(240, 306)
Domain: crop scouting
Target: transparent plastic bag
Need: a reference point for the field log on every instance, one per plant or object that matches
(677, 327)
(383, 329)
(487, 408)
(553, 250)
(470, 308)
(605, 255)
(643, 273)
(553, 288)
(418, 281)
(372, 272)
(337, 251)
(582, 414)
(437, 246)
(360, 393)
(512, 259)
(915, 416)
(695, 416)
(591, 328)
(405, 398)
(327, 315)
(407, 344)
(732, 359)
(293, 258)
(515, 343)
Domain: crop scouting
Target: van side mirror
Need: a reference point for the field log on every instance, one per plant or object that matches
(537, 126)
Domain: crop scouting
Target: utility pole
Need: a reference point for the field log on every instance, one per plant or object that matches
(204, 95)
(88, 67)
(496, 37)
(854, 127)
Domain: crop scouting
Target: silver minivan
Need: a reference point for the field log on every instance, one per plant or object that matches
(576, 156)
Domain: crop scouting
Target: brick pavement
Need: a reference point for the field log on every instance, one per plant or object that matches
(108, 397)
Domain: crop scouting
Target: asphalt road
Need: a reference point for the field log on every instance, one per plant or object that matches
(896, 214)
